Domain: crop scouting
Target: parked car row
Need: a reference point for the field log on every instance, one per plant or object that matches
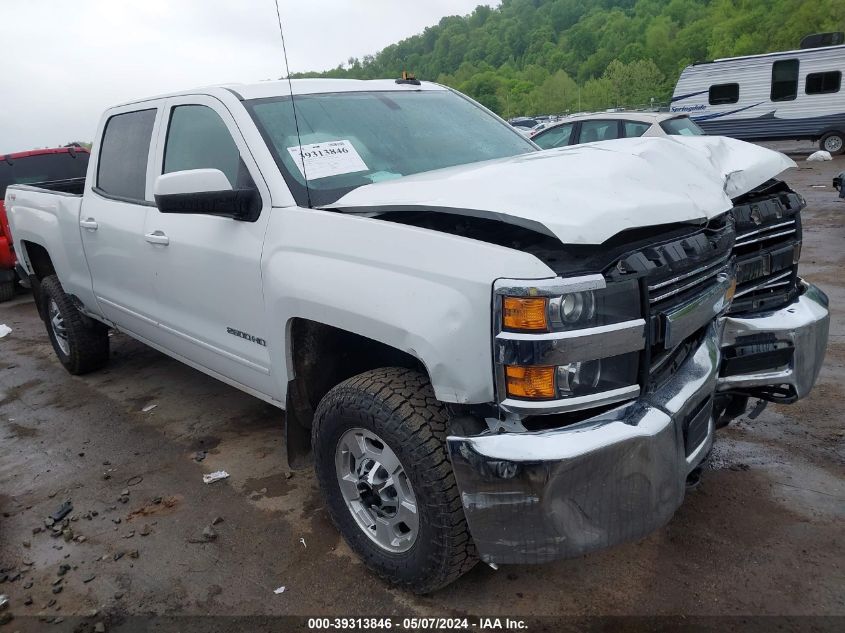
(605, 126)
(530, 125)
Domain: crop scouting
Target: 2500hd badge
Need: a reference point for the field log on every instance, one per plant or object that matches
(248, 337)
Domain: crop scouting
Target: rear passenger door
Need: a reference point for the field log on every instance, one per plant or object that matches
(114, 209)
(208, 268)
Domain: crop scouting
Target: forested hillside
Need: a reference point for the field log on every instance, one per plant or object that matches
(553, 56)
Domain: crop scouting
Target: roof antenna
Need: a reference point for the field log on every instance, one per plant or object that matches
(293, 103)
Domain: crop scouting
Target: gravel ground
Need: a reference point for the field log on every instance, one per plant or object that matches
(761, 535)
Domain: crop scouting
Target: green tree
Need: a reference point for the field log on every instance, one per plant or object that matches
(530, 56)
(634, 84)
(558, 94)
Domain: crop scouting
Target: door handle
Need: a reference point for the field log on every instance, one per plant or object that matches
(157, 237)
(89, 224)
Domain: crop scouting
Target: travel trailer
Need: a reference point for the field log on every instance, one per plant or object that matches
(785, 95)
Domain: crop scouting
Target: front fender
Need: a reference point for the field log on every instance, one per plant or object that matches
(423, 292)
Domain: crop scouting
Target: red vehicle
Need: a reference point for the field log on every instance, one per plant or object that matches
(59, 169)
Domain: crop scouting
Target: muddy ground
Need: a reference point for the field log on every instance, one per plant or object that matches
(762, 535)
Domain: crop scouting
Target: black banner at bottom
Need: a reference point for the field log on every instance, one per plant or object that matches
(118, 623)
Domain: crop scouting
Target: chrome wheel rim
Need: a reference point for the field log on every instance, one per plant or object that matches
(57, 323)
(833, 143)
(377, 490)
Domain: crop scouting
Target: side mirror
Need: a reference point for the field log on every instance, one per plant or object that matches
(206, 192)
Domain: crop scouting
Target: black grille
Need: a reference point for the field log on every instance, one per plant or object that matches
(673, 273)
(755, 353)
(664, 364)
(697, 425)
(665, 297)
(768, 244)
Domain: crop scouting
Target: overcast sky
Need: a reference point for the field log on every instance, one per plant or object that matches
(65, 61)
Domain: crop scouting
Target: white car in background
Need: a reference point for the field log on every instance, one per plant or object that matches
(605, 126)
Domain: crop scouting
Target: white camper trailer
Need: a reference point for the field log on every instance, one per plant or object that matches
(785, 95)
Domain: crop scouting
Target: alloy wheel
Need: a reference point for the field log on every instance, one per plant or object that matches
(377, 490)
(57, 324)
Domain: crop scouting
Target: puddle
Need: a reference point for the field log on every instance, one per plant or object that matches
(798, 485)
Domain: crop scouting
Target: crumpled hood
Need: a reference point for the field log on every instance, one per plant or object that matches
(586, 194)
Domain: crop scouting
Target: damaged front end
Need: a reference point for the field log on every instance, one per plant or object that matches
(775, 333)
(605, 457)
(716, 313)
(614, 477)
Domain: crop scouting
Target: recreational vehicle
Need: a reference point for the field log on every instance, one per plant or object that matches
(785, 95)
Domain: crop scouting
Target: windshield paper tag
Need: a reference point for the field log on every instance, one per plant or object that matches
(331, 158)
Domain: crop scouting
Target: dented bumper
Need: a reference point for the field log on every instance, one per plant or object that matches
(540, 496)
(777, 354)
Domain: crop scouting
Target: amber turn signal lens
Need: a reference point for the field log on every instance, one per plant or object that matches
(525, 313)
(530, 382)
(731, 291)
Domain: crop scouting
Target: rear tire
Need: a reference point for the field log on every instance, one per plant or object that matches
(7, 290)
(833, 142)
(394, 409)
(80, 343)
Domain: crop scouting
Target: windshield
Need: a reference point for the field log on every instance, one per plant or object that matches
(352, 139)
(41, 168)
(681, 126)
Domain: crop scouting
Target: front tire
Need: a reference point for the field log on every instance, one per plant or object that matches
(380, 454)
(81, 344)
(833, 142)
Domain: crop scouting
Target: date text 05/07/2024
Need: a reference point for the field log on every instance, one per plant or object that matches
(419, 624)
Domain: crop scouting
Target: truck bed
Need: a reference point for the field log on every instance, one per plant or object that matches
(49, 219)
(73, 186)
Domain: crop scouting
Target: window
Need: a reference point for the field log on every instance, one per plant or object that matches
(681, 126)
(197, 138)
(632, 129)
(555, 137)
(601, 130)
(823, 83)
(122, 167)
(723, 93)
(785, 80)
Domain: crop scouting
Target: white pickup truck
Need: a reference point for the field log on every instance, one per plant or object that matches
(488, 351)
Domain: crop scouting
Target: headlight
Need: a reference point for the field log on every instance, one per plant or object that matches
(571, 380)
(576, 340)
(579, 377)
(615, 303)
(574, 307)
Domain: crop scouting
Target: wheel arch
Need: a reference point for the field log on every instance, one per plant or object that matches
(838, 129)
(38, 258)
(39, 265)
(319, 357)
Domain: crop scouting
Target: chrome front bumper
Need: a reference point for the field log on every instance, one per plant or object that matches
(783, 348)
(534, 497)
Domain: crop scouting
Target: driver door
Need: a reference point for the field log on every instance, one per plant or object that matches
(207, 268)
